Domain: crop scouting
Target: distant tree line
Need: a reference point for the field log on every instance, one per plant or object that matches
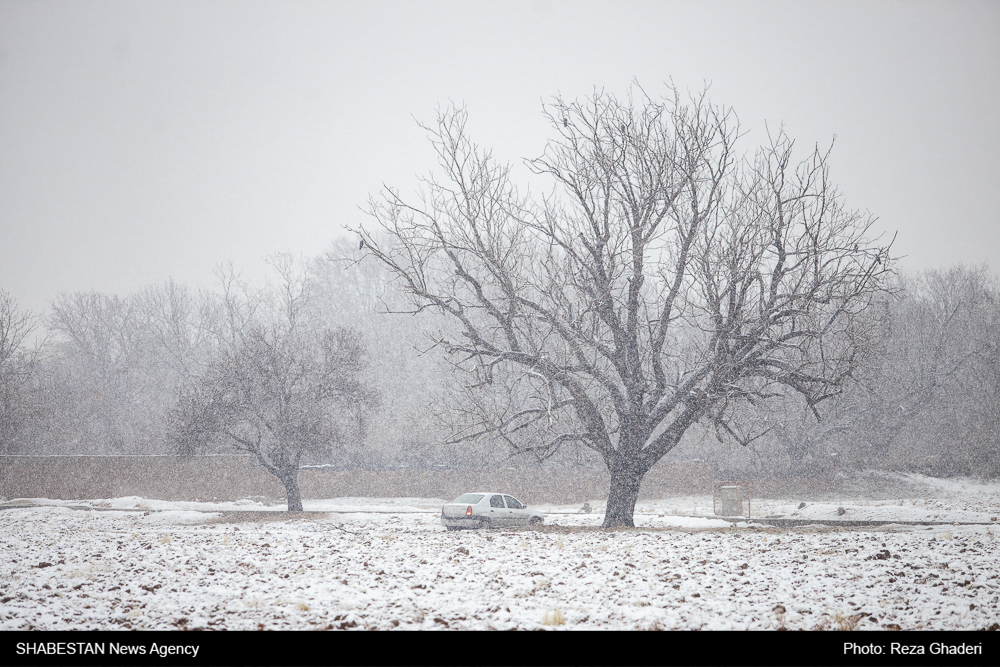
(107, 374)
(928, 397)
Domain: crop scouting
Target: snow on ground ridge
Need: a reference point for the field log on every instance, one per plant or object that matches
(192, 565)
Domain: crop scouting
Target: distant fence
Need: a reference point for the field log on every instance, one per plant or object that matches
(160, 477)
(238, 477)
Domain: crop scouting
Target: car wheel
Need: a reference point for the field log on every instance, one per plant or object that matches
(535, 521)
(452, 527)
(485, 523)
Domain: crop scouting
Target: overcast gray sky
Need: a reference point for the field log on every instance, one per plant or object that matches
(147, 140)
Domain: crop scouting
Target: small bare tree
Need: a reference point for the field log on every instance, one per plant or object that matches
(665, 281)
(17, 361)
(277, 390)
(103, 344)
(279, 399)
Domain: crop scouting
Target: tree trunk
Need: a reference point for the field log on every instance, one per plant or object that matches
(291, 481)
(621, 500)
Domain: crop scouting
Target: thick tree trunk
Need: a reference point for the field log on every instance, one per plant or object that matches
(621, 500)
(291, 481)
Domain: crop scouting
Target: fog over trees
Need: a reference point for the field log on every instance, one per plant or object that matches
(670, 294)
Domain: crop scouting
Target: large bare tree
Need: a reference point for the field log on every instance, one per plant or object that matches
(665, 280)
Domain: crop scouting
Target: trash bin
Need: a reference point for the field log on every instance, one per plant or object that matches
(729, 501)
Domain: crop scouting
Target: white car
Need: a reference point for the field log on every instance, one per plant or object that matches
(487, 509)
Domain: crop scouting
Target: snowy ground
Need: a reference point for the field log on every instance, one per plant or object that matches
(388, 563)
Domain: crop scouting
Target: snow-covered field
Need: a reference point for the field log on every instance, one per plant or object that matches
(388, 563)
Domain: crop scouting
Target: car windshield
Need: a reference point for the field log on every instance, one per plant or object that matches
(470, 498)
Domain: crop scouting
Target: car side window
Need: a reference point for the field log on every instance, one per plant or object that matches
(496, 501)
(513, 503)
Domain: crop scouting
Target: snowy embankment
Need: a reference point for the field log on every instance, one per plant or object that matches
(388, 563)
